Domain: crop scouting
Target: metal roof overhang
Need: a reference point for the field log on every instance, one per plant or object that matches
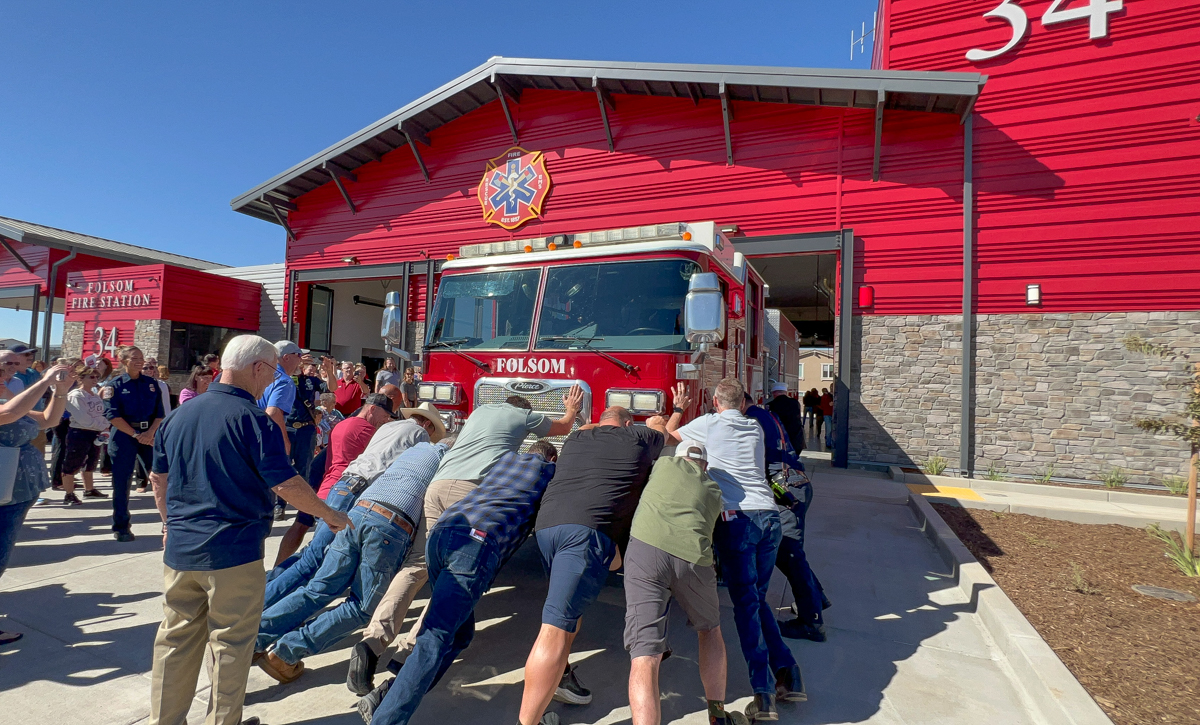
(43, 236)
(931, 92)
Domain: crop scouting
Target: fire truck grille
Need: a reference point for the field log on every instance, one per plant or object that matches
(548, 401)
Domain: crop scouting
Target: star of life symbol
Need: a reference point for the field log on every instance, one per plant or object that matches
(514, 187)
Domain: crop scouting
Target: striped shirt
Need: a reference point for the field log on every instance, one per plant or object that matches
(502, 509)
(402, 486)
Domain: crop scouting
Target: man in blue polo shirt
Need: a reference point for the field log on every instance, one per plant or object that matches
(293, 418)
(217, 464)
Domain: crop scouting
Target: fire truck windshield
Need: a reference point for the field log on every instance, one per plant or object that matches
(489, 310)
(615, 305)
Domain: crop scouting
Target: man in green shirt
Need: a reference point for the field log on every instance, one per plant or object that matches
(670, 554)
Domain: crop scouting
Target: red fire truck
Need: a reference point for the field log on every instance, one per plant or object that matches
(623, 313)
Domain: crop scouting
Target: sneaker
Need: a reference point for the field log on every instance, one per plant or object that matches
(42, 501)
(95, 493)
(369, 703)
(796, 629)
(279, 513)
(280, 670)
(124, 536)
(71, 499)
(571, 691)
(789, 685)
(762, 709)
(550, 718)
(360, 679)
(10, 637)
(729, 717)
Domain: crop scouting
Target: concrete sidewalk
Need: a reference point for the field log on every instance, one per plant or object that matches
(904, 644)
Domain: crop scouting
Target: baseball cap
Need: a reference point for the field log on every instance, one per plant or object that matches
(379, 400)
(287, 347)
(22, 349)
(691, 449)
(779, 388)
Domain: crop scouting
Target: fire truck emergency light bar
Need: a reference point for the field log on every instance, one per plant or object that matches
(653, 232)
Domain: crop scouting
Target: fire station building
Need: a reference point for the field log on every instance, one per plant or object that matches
(976, 223)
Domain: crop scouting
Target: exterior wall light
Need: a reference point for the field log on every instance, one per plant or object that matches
(1033, 294)
(351, 260)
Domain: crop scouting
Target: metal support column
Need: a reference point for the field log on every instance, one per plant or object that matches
(845, 353)
(291, 306)
(404, 311)
(428, 307)
(52, 285)
(966, 424)
(33, 322)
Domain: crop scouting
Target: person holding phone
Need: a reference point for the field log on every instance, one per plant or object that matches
(351, 388)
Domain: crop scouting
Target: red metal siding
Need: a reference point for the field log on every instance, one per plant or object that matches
(1086, 152)
(1085, 170)
(209, 299)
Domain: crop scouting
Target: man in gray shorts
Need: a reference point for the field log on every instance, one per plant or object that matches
(670, 555)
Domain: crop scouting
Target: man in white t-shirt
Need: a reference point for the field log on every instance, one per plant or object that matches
(746, 539)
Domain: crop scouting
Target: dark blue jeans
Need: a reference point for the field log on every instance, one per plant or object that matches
(363, 559)
(303, 441)
(12, 516)
(461, 570)
(747, 546)
(298, 568)
(124, 450)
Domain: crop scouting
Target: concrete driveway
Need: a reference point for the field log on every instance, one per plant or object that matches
(903, 645)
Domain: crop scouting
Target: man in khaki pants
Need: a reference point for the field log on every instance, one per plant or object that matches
(492, 430)
(216, 464)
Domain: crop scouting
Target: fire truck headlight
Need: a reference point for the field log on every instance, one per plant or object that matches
(635, 401)
(445, 394)
(426, 391)
(623, 399)
(438, 392)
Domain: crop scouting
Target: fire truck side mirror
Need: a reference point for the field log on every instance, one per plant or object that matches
(391, 327)
(704, 309)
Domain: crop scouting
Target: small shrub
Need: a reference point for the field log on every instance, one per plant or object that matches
(994, 473)
(1177, 551)
(1177, 485)
(1037, 540)
(1046, 474)
(1078, 583)
(1115, 478)
(934, 465)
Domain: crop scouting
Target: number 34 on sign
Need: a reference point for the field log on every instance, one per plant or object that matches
(1096, 12)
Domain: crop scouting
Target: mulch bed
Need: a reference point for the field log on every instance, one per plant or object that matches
(1138, 656)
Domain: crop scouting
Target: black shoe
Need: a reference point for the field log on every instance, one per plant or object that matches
(796, 629)
(71, 499)
(370, 702)
(361, 676)
(571, 691)
(789, 685)
(279, 513)
(762, 709)
(123, 536)
(94, 493)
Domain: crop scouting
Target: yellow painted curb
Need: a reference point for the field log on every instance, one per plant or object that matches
(928, 489)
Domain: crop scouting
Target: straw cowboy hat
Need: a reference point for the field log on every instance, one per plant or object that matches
(430, 413)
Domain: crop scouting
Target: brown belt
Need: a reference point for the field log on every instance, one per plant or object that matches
(394, 516)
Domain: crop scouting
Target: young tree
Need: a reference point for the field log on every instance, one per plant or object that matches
(1187, 430)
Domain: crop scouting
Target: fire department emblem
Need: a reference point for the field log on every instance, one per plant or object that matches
(514, 187)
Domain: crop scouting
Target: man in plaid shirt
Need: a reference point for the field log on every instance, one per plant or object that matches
(478, 535)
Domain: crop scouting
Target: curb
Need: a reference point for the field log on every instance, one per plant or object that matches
(1055, 692)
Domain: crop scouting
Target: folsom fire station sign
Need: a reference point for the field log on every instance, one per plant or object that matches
(514, 187)
(110, 294)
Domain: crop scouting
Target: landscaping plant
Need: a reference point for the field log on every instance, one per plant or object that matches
(1177, 485)
(1047, 473)
(934, 465)
(1187, 430)
(993, 473)
(1179, 554)
(1115, 478)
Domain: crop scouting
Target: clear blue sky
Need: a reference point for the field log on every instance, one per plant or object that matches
(139, 121)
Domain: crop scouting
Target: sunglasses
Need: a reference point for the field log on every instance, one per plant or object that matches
(11, 363)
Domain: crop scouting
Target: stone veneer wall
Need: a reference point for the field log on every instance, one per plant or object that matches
(153, 338)
(1050, 390)
(72, 340)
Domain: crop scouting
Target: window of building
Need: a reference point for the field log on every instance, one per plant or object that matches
(827, 371)
(190, 343)
(801, 371)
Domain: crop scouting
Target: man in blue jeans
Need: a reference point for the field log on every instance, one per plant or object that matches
(471, 542)
(363, 558)
(747, 540)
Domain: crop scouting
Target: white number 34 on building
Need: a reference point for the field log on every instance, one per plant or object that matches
(1096, 12)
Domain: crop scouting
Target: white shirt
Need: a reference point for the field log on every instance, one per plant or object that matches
(736, 460)
(87, 410)
(386, 445)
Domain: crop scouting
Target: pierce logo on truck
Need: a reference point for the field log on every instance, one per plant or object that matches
(529, 366)
(527, 387)
(514, 187)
